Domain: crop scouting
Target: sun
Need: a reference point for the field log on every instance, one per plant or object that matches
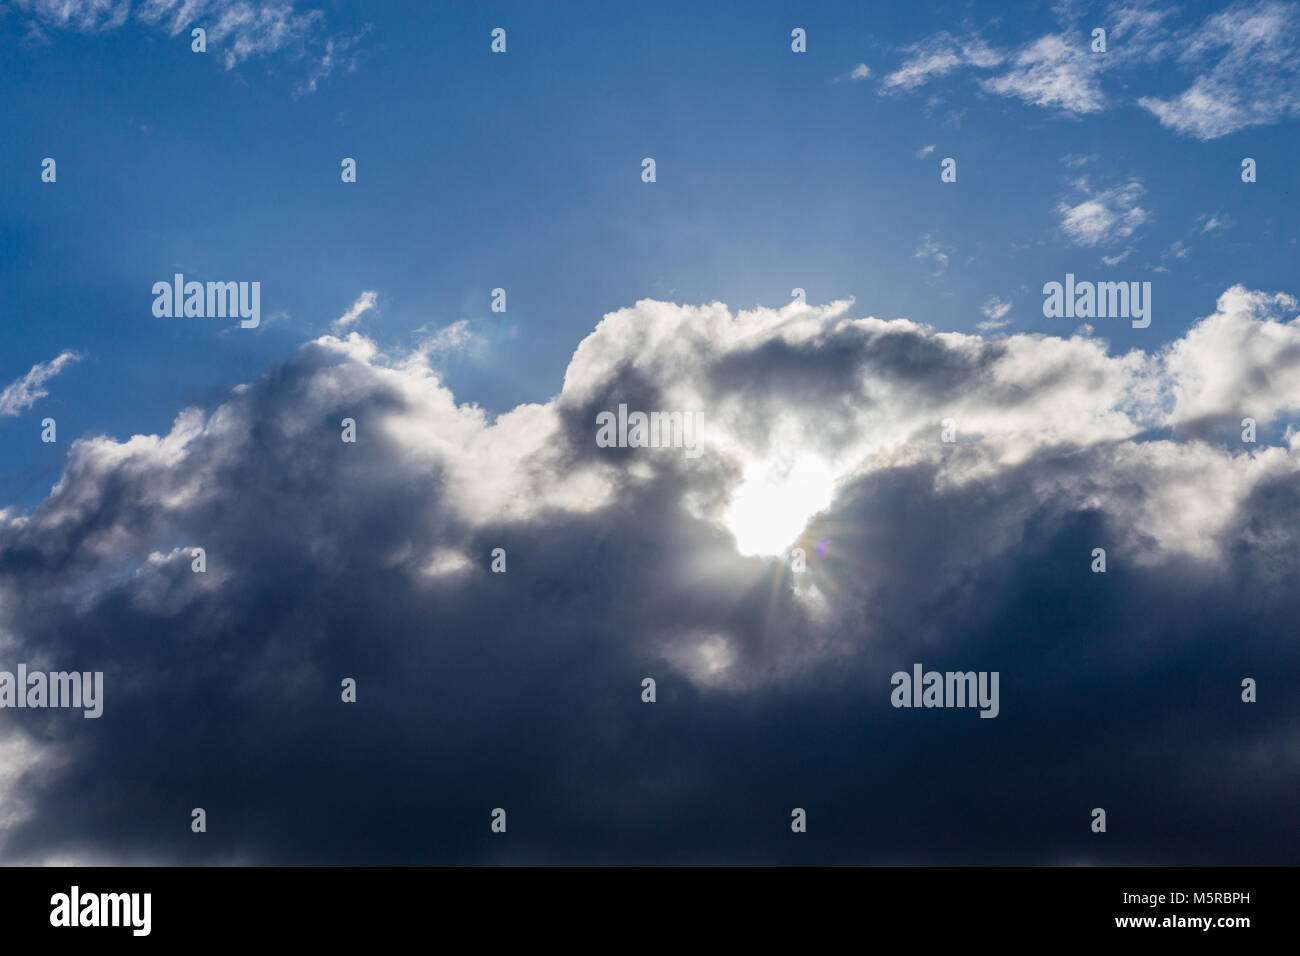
(775, 501)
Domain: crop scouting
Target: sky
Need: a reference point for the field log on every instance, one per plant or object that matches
(945, 454)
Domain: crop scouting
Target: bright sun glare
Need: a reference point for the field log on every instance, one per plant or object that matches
(774, 502)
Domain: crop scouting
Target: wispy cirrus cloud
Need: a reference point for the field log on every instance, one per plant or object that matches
(1246, 73)
(995, 314)
(88, 16)
(23, 393)
(1104, 216)
(1242, 59)
(365, 302)
(1219, 220)
(929, 248)
(455, 339)
(237, 30)
(1053, 71)
(938, 56)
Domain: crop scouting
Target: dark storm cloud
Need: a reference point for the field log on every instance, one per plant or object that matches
(521, 690)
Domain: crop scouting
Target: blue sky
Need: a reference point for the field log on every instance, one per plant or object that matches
(969, 546)
(522, 171)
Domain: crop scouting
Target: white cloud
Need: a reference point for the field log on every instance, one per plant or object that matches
(1253, 82)
(1237, 362)
(925, 151)
(1022, 394)
(1102, 217)
(929, 249)
(995, 311)
(1209, 223)
(1142, 30)
(1052, 71)
(365, 302)
(859, 72)
(1056, 72)
(237, 30)
(1243, 60)
(938, 56)
(457, 337)
(86, 15)
(23, 393)
(334, 55)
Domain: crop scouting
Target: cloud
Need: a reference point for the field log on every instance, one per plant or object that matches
(23, 393)
(337, 52)
(522, 690)
(937, 56)
(1105, 216)
(1242, 58)
(1253, 79)
(925, 151)
(930, 249)
(995, 311)
(365, 302)
(1144, 31)
(1053, 72)
(88, 16)
(1206, 374)
(1209, 223)
(237, 30)
(457, 337)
